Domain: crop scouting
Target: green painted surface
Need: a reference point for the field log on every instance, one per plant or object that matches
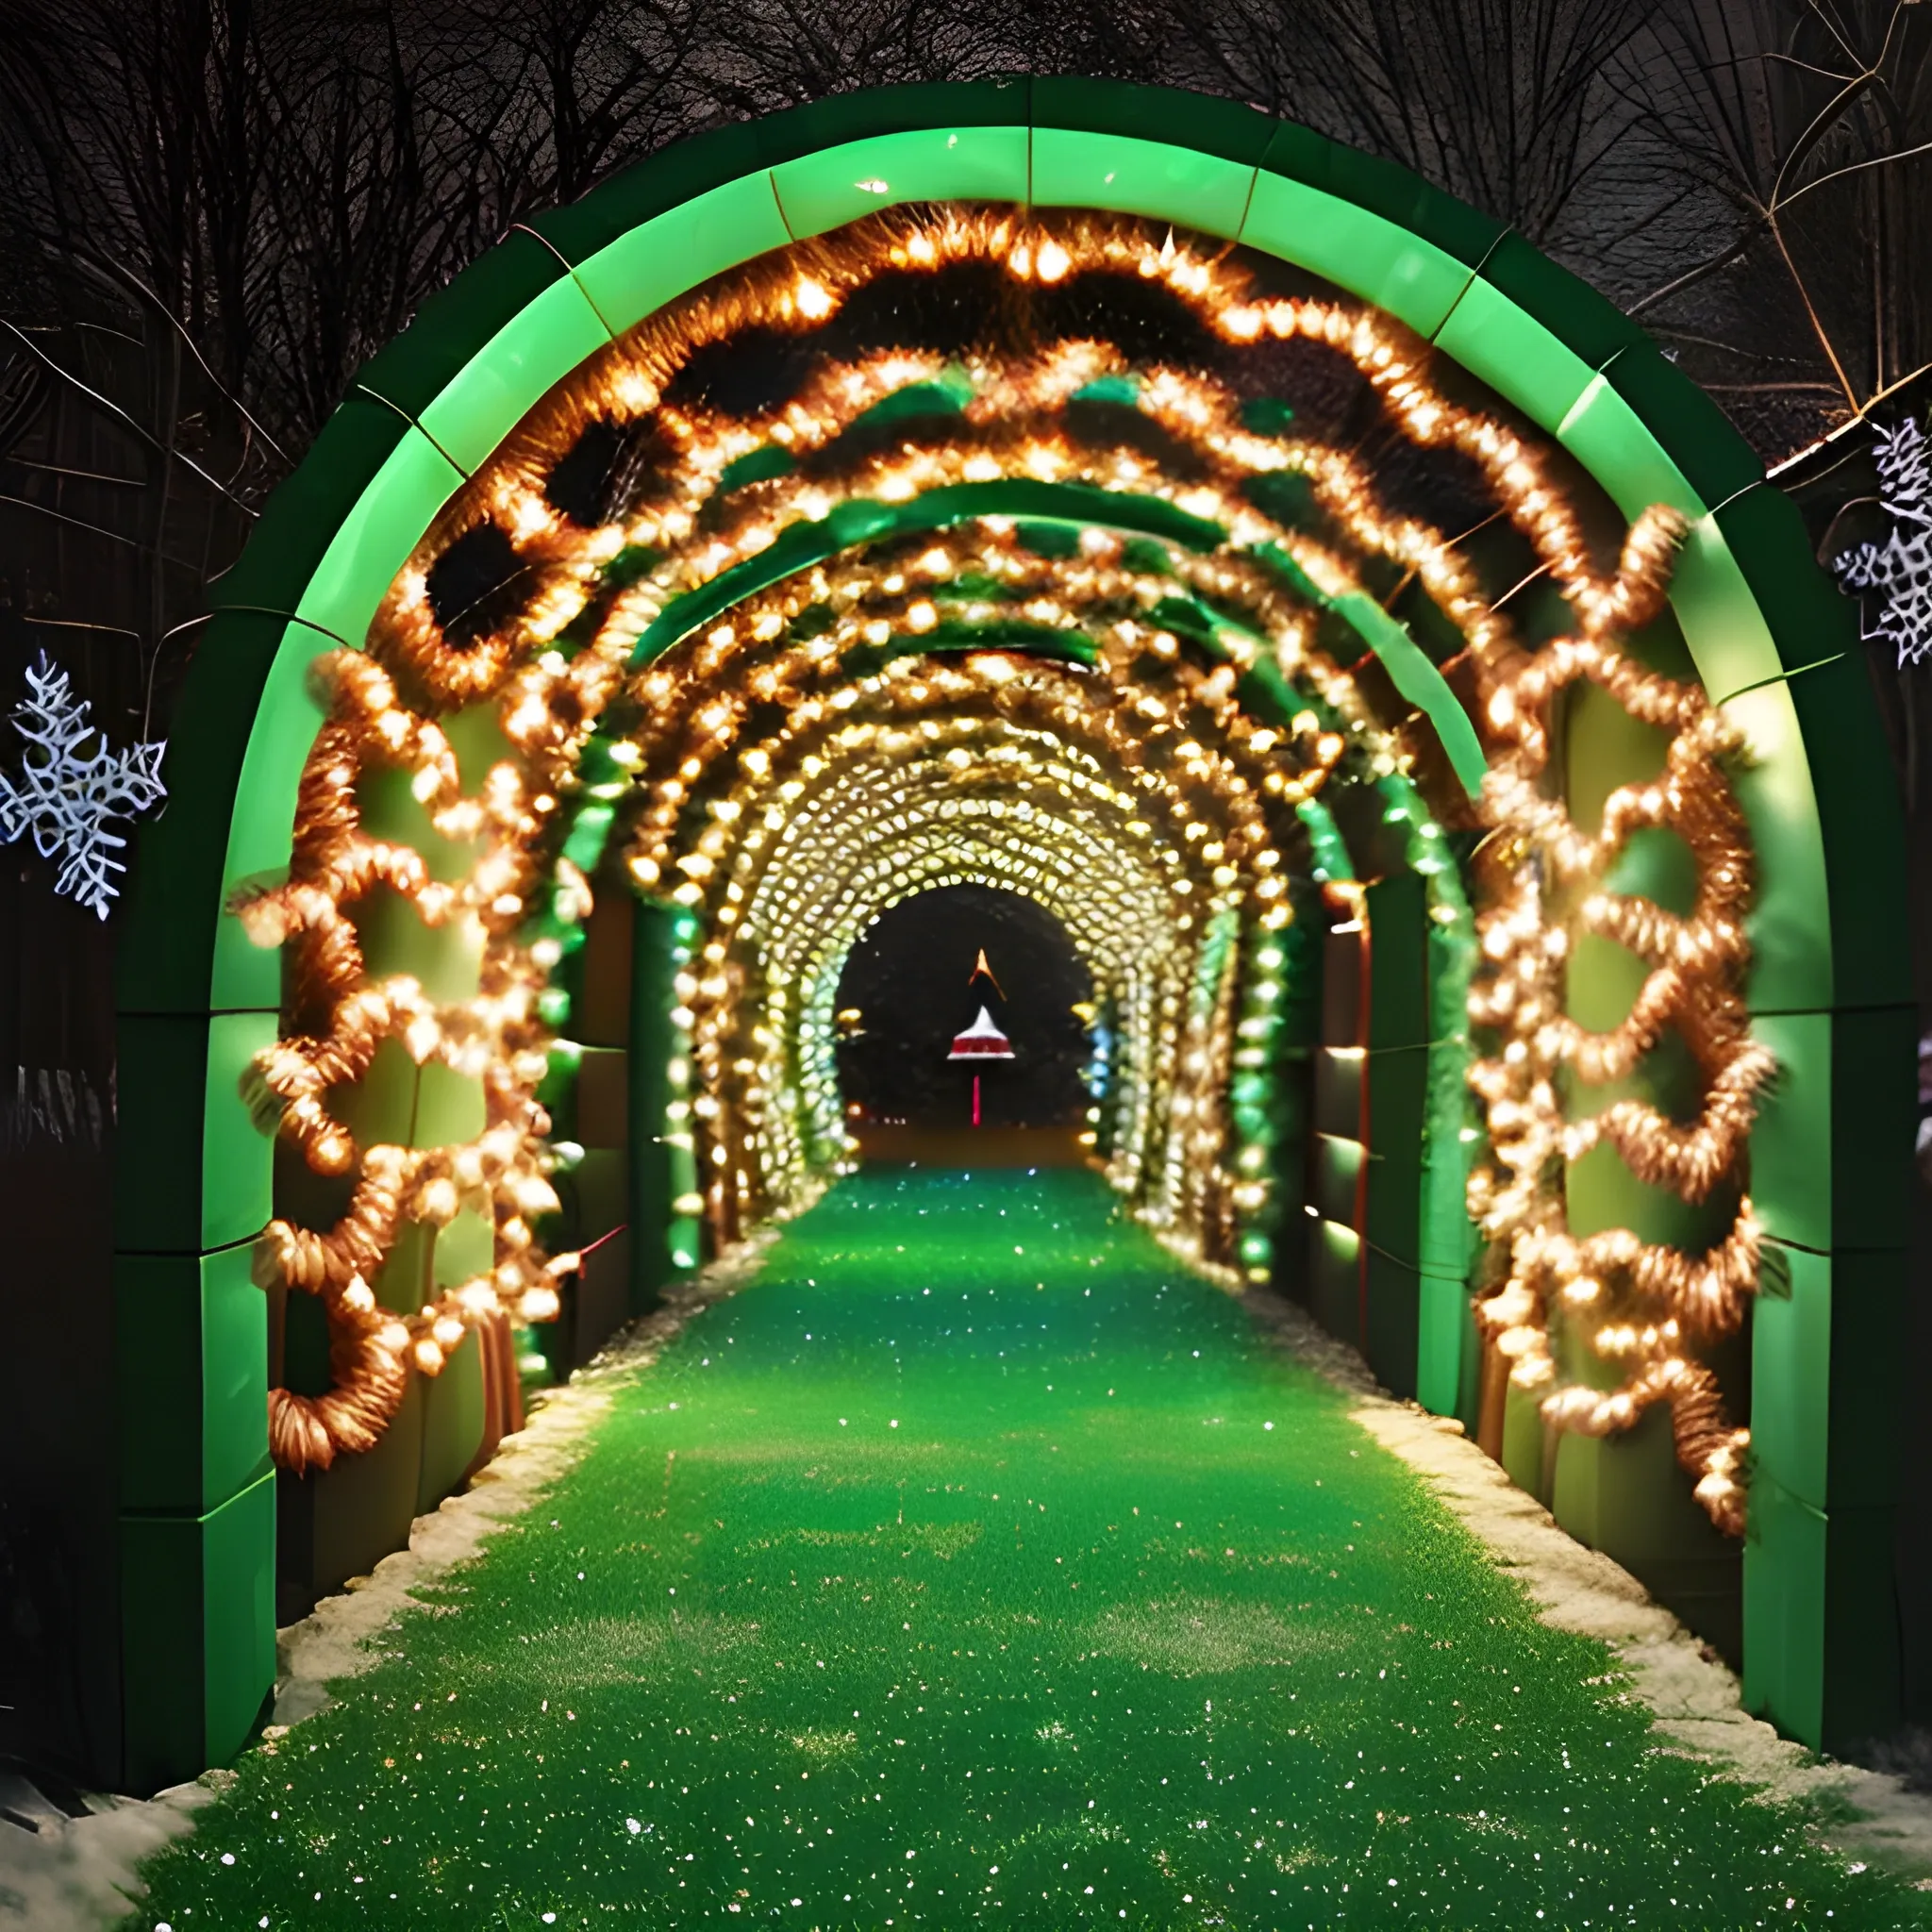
(659, 1174)
(1392, 1329)
(1398, 1088)
(1338, 1164)
(165, 963)
(1334, 1277)
(301, 521)
(1625, 1495)
(373, 541)
(233, 1364)
(1860, 1664)
(862, 114)
(453, 325)
(1821, 1618)
(1684, 424)
(823, 190)
(1399, 1008)
(927, 1582)
(158, 1179)
(452, 1423)
(1834, 1127)
(234, 1145)
(1728, 636)
(1201, 124)
(191, 1163)
(1785, 1569)
(1073, 169)
(1827, 1377)
(198, 1633)
(1444, 1344)
(1566, 306)
(162, 1616)
(238, 1544)
(1416, 1074)
(1613, 441)
(1493, 338)
(260, 832)
(1525, 1442)
(1376, 260)
(341, 1522)
(1793, 958)
(1382, 187)
(1859, 955)
(188, 1323)
(554, 332)
(636, 272)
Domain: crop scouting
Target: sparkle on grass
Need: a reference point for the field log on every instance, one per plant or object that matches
(623, 1647)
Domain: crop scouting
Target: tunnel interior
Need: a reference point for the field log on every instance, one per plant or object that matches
(920, 975)
(1221, 659)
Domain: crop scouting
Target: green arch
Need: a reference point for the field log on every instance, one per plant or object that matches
(1830, 988)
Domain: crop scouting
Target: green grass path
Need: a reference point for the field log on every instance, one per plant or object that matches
(978, 1565)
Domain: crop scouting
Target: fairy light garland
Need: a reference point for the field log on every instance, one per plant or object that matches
(1089, 752)
(495, 1036)
(948, 684)
(1641, 1305)
(833, 843)
(936, 813)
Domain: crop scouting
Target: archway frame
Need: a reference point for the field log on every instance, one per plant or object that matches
(1830, 990)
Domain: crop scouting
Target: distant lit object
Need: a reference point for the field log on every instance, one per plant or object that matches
(982, 1040)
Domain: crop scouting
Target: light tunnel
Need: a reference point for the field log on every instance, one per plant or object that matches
(1355, 637)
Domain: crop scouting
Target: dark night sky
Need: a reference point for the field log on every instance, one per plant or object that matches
(908, 977)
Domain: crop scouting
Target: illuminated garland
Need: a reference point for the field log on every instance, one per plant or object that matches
(1642, 1305)
(493, 1036)
(1144, 728)
(893, 803)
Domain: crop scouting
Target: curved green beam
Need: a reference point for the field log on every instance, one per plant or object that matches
(1028, 501)
(1829, 984)
(858, 520)
(1408, 667)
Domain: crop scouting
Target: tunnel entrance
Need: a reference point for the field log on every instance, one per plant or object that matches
(920, 975)
(1284, 594)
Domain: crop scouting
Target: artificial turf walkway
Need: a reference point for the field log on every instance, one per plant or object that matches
(977, 1565)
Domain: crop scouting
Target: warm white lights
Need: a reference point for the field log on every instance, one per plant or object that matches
(1119, 710)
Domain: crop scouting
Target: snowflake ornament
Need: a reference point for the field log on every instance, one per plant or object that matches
(65, 799)
(1900, 569)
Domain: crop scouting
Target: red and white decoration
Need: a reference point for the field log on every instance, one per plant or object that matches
(982, 1040)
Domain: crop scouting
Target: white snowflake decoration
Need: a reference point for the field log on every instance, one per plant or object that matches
(1900, 567)
(64, 799)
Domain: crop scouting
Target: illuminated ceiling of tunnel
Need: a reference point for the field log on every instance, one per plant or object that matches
(1062, 555)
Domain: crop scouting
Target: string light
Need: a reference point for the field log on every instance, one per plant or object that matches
(1124, 724)
(1639, 1305)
